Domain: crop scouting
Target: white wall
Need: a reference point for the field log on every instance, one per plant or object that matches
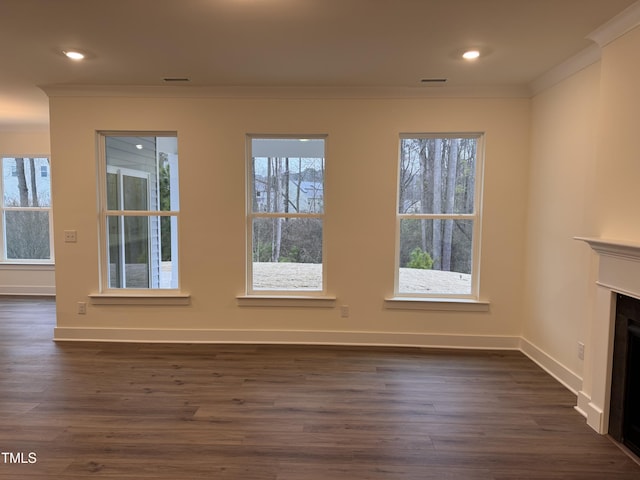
(362, 150)
(26, 279)
(583, 182)
(564, 122)
(24, 143)
(618, 167)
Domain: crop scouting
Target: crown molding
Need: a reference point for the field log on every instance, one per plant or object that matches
(569, 67)
(194, 91)
(626, 20)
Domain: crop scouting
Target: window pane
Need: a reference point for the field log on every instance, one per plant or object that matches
(140, 252)
(128, 245)
(168, 185)
(435, 256)
(27, 235)
(287, 253)
(23, 182)
(437, 175)
(168, 274)
(114, 246)
(135, 192)
(113, 192)
(288, 175)
(143, 170)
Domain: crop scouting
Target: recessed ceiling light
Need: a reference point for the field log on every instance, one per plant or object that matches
(74, 54)
(471, 54)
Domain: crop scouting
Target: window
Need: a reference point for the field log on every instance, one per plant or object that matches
(26, 211)
(285, 209)
(438, 215)
(139, 211)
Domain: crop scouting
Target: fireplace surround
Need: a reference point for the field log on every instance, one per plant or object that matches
(618, 273)
(624, 405)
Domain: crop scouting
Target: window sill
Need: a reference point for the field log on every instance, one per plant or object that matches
(285, 301)
(140, 299)
(437, 304)
(44, 266)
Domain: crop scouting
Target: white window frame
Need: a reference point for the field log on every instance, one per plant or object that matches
(320, 294)
(104, 213)
(475, 216)
(3, 209)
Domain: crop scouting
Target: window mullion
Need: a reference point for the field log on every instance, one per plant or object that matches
(140, 213)
(286, 215)
(441, 216)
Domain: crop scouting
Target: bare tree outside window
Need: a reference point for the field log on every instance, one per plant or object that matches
(437, 214)
(26, 208)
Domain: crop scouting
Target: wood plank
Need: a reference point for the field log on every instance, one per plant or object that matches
(261, 412)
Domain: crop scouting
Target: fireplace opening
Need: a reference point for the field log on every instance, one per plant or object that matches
(624, 413)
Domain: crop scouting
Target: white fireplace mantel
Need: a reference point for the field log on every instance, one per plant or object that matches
(606, 246)
(618, 272)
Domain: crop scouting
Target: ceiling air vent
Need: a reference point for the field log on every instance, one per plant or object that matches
(176, 79)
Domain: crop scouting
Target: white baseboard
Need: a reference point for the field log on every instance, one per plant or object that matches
(594, 415)
(28, 290)
(554, 368)
(561, 373)
(286, 337)
(306, 337)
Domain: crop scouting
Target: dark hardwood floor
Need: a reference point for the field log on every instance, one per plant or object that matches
(151, 411)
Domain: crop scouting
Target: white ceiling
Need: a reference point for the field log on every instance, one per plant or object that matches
(283, 43)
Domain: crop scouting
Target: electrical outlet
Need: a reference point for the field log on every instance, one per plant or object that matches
(70, 236)
(344, 311)
(581, 350)
(82, 308)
